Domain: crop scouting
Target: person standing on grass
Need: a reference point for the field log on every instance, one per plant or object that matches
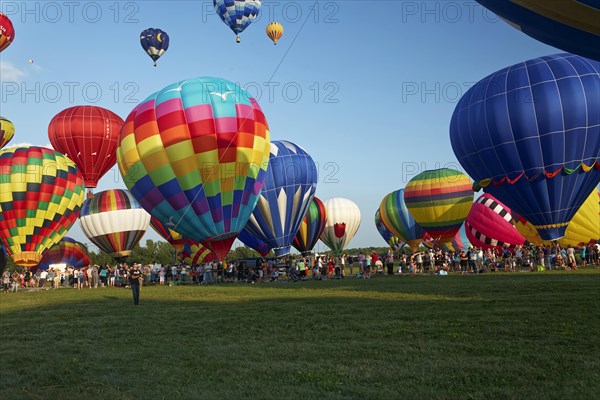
(16, 280)
(135, 278)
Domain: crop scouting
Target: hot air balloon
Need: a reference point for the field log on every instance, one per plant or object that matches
(439, 201)
(154, 42)
(530, 135)
(41, 192)
(289, 189)
(67, 251)
(585, 225)
(387, 236)
(570, 25)
(175, 239)
(195, 155)
(7, 32)
(7, 131)
(195, 253)
(254, 243)
(114, 221)
(343, 221)
(237, 14)
(490, 224)
(3, 257)
(274, 31)
(396, 218)
(460, 241)
(311, 228)
(527, 229)
(89, 136)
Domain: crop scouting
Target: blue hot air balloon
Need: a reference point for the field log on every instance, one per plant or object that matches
(388, 236)
(254, 243)
(2, 257)
(570, 25)
(155, 42)
(238, 14)
(530, 135)
(289, 189)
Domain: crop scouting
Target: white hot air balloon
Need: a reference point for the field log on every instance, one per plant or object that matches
(114, 221)
(343, 221)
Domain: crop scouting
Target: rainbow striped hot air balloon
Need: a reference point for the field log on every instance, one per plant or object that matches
(312, 227)
(67, 251)
(439, 200)
(175, 239)
(114, 221)
(195, 253)
(41, 192)
(388, 236)
(395, 217)
(195, 156)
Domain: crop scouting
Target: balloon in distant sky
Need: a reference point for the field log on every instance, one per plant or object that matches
(175, 239)
(254, 243)
(67, 251)
(289, 189)
(312, 227)
(237, 14)
(41, 192)
(89, 136)
(387, 236)
(7, 32)
(439, 201)
(274, 31)
(195, 253)
(570, 25)
(396, 218)
(343, 221)
(154, 42)
(114, 221)
(490, 224)
(195, 155)
(7, 131)
(530, 135)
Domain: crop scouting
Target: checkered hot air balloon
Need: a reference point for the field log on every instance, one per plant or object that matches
(237, 14)
(570, 25)
(289, 189)
(114, 221)
(529, 135)
(67, 251)
(340, 212)
(312, 226)
(398, 220)
(439, 201)
(7, 32)
(41, 193)
(7, 131)
(490, 224)
(89, 136)
(195, 156)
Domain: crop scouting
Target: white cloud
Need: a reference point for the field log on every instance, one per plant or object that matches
(25, 144)
(10, 73)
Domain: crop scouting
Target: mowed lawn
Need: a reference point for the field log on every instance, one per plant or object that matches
(493, 336)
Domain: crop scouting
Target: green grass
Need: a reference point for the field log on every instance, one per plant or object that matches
(494, 336)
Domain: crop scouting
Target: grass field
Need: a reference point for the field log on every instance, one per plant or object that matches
(493, 336)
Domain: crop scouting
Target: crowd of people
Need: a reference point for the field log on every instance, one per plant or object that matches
(434, 261)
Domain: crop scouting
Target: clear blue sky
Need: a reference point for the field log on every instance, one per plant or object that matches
(379, 80)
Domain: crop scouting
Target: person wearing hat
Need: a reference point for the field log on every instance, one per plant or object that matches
(134, 282)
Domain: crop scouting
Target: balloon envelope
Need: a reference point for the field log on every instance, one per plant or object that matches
(41, 192)
(460, 241)
(439, 201)
(114, 221)
(274, 31)
(570, 25)
(7, 32)
(387, 236)
(237, 14)
(175, 239)
(254, 243)
(7, 131)
(195, 253)
(490, 224)
(155, 43)
(88, 135)
(396, 217)
(289, 189)
(585, 225)
(195, 156)
(67, 251)
(343, 221)
(530, 134)
(312, 226)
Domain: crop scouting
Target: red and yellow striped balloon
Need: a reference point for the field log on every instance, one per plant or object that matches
(195, 253)
(67, 251)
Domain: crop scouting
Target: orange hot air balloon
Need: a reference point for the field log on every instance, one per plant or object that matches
(274, 31)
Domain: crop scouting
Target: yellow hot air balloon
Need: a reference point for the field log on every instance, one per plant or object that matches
(274, 31)
(585, 225)
(7, 131)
